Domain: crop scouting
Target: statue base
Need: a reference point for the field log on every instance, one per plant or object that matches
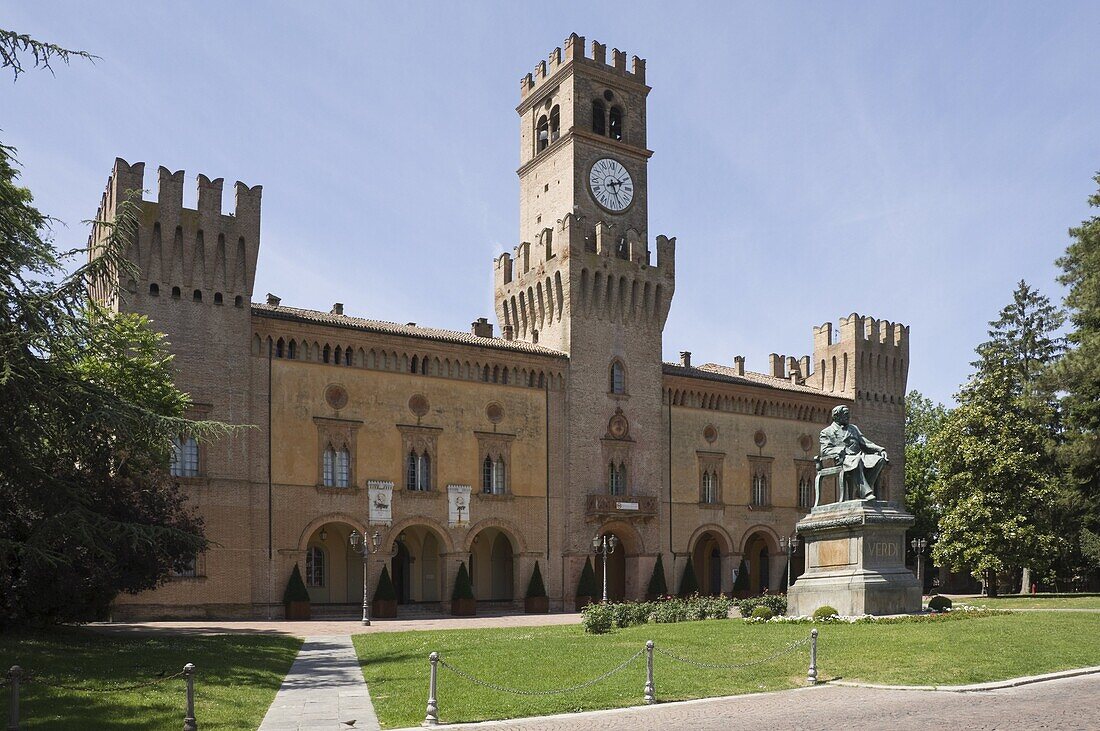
(855, 561)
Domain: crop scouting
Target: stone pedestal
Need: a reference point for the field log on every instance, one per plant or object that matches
(855, 561)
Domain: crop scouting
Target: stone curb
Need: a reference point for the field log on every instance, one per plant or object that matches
(993, 685)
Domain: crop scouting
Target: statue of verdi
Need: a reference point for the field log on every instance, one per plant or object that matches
(862, 460)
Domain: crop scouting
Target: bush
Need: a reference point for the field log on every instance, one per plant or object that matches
(762, 612)
(657, 586)
(716, 607)
(939, 604)
(295, 588)
(535, 587)
(586, 586)
(775, 602)
(689, 585)
(597, 618)
(464, 589)
(385, 590)
(825, 612)
(669, 611)
(742, 583)
(628, 614)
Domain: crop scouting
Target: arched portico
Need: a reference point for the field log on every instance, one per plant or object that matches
(623, 565)
(333, 573)
(710, 554)
(417, 567)
(493, 560)
(761, 552)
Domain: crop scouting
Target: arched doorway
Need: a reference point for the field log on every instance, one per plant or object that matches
(417, 569)
(759, 550)
(332, 571)
(706, 559)
(492, 566)
(616, 570)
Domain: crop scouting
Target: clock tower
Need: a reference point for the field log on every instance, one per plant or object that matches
(585, 280)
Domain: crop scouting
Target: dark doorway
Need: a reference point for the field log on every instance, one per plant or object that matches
(399, 572)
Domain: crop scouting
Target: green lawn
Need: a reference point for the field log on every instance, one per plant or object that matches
(236, 678)
(395, 665)
(1035, 602)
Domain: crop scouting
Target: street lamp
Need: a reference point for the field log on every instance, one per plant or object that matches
(604, 546)
(364, 549)
(789, 545)
(919, 544)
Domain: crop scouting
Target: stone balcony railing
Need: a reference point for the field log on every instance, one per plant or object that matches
(602, 506)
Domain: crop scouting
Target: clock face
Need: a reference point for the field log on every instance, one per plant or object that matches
(611, 184)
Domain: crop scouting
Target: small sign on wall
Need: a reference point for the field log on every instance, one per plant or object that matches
(458, 498)
(381, 502)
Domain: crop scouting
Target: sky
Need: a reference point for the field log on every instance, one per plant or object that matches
(909, 161)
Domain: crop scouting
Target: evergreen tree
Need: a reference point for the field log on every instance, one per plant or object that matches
(385, 589)
(657, 586)
(996, 479)
(464, 588)
(586, 585)
(295, 588)
(1077, 373)
(535, 587)
(742, 583)
(688, 583)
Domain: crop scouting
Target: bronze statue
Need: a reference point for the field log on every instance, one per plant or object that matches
(861, 458)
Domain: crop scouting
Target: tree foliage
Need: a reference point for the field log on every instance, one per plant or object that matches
(923, 420)
(586, 584)
(16, 47)
(464, 588)
(535, 587)
(689, 584)
(657, 585)
(996, 478)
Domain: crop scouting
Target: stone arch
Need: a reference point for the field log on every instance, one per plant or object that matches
(627, 533)
(725, 541)
(442, 534)
(766, 530)
(504, 526)
(303, 538)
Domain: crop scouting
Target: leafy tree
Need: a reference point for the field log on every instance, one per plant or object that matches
(688, 583)
(657, 586)
(996, 479)
(923, 420)
(1077, 373)
(87, 507)
(1090, 547)
(535, 587)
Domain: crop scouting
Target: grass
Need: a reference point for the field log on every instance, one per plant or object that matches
(395, 665)
(1037, 601)
(236, 678)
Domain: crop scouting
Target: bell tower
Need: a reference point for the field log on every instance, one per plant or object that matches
(584, 280)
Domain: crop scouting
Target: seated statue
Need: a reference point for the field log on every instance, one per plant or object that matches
(861, 460)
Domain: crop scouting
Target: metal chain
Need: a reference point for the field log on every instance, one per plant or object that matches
(733, 666)
(517, 691)
(32, 678)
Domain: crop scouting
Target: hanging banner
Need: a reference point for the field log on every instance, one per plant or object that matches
(381, 502)
(458, 496)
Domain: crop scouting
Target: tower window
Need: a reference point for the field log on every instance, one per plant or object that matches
(154, 290)
(218, 298)
(175, 293)
(197, 296)
(616, 123)
(599, 118)
(555, 123)
(542, 134)
(292, 350)
(238, 301)
(618, 378)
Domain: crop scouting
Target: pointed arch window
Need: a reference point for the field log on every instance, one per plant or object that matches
(495, 449)
(617, 379)
(760, 468)
(805, 491)
(615, 123)
(336, 440)
(710, 487)
(418, 471)
(555, 123)
(542, 134)
(599, 118)
(292, 350)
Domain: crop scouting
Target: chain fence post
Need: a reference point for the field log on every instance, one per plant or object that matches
(432, 716)
(649, 691)
(14, 675)
(189, 722)
(811, 674)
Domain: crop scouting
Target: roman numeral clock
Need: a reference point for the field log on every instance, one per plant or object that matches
(611, 184)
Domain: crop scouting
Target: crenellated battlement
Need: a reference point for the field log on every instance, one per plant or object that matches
(186, 250)
(574, 52)
(866, 329)
(864, 358)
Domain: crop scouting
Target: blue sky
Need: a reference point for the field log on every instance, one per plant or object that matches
(909, 161)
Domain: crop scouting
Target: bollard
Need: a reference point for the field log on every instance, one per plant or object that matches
(432, 717)
(811, 675)
(189, 722)
(649, 697)
(14, 675)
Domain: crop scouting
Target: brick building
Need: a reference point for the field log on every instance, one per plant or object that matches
(495, 447)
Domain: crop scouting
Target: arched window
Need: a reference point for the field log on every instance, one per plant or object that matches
(238, 301)
(175, 293)
(292, 350)
(615, 126)
(616, 479)
(805, 492)
(418, 471)
(492, 476)
(279, 345)
(328, 475)
(500, 485)
(154, 290)
(197, 295)
(185, 457)
(343, 468)
(555, 123)
(710, 487)
(315, 567)
(347, 356)
(327, 356)
(618, 378)
(542, 135)
(760, 489)
(339, 355)
(487, 475)
(218, 298)
(599, 118)
(415, 364)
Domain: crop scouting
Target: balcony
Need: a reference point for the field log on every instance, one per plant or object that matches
(630, 507)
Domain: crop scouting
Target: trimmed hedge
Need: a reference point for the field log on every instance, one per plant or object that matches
(535, 587)
(657, 586)
(586, 585)
(385, 590)
(775, 602)
(689, 585)
(762, 612)
(939, 604)
(600, 618)
(825, 612)
(464, 588)
(295, 588)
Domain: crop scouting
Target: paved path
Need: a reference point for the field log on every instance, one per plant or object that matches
(323, 690)
(1064, 705)
(341, 627)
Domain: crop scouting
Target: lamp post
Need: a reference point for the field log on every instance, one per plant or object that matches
(789, 545)
(919, 544)
(604, 546)
(364, 549)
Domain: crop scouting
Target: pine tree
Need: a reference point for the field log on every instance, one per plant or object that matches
(586, 586)
(385, 589)
(535, 587)
(657, 586)
(742, 583)
(464, 588)
(688, 583)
